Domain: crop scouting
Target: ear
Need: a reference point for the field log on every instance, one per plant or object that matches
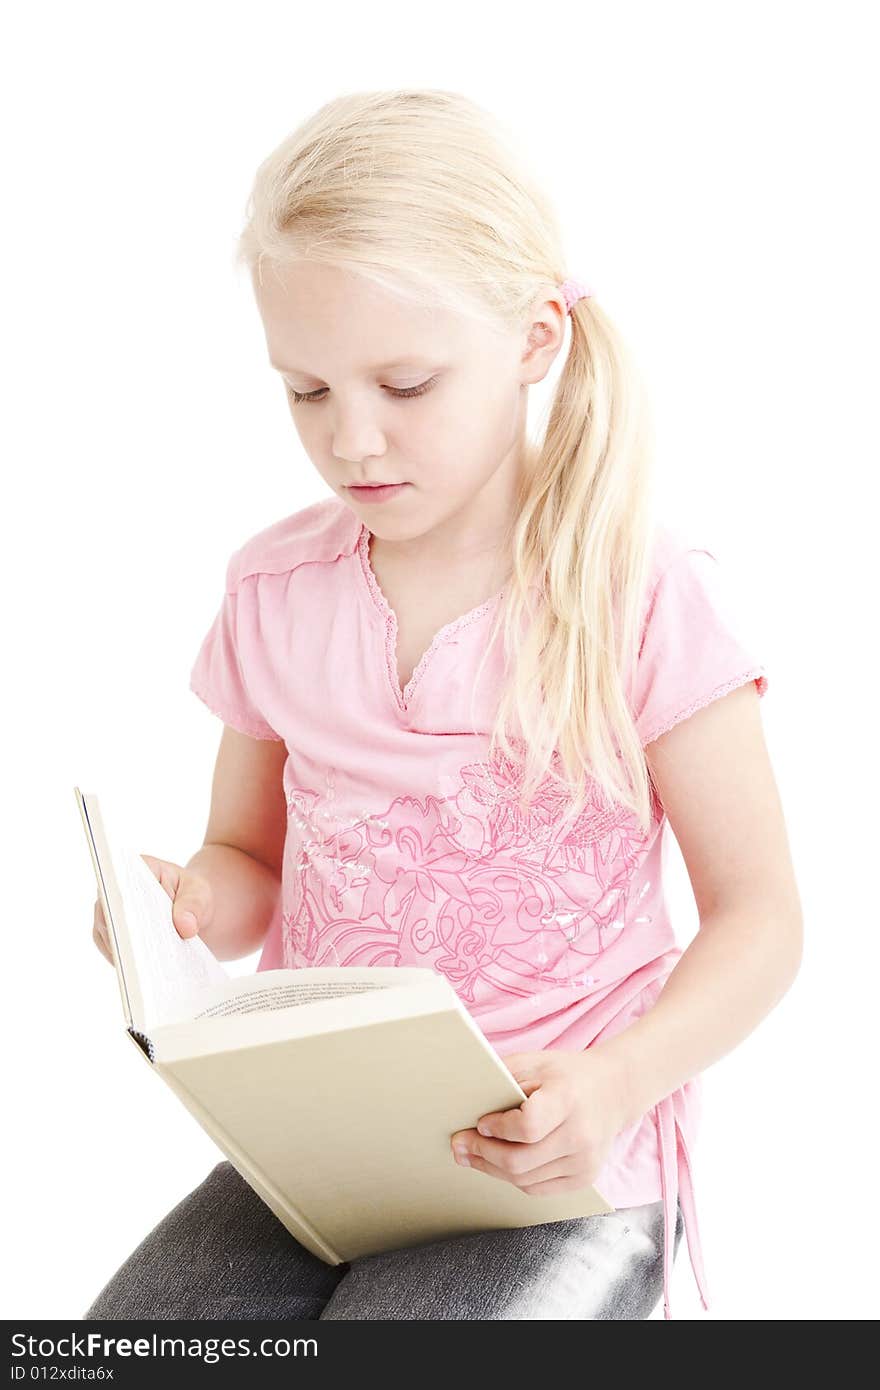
(544, 337)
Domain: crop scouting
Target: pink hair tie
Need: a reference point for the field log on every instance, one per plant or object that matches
(572, 291)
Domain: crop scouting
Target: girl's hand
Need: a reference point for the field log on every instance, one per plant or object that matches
(191, 898)
(558, 1138)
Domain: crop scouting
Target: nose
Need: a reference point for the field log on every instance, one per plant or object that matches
(354, 431)
(357, 443)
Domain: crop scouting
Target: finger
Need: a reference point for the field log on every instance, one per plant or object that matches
(185, 919)
(100, 933)
(187, 904)
(167, 874)
(528, 1069)
(574, 1183)
(102, 945)
(192, 906)
(517, 1157)
(532, 1120)
(524, 1172)
(529, 1064)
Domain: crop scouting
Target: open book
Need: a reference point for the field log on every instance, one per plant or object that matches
(334, 1092)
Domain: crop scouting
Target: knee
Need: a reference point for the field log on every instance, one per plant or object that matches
(141, 1291)
(118, 1299)
(155, 1280)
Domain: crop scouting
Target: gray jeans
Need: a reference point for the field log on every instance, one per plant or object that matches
(222, 1253)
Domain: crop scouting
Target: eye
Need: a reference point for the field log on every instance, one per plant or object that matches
(300, 396)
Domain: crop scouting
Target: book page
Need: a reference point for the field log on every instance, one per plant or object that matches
(259, 996)
(176, 976)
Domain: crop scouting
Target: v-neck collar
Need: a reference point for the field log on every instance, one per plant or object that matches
(403, 698)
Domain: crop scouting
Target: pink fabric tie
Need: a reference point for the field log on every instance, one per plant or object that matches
(573, 290)
(675, 1177)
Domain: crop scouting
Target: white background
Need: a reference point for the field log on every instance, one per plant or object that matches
(713, 167)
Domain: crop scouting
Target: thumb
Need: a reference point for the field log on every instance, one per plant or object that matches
(185, 912)
(526, 1068)
(521, 1063)
(192, 906)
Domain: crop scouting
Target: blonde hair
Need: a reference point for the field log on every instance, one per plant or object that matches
(424, 193)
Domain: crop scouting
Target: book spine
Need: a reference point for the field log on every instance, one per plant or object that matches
(144, 1043)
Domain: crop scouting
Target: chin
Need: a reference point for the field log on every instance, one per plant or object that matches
(389, 528)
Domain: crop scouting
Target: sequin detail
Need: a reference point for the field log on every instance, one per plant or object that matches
(466, 883)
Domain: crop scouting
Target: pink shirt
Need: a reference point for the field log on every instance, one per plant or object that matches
(405, 847)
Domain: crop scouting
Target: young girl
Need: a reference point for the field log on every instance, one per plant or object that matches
(462, 696)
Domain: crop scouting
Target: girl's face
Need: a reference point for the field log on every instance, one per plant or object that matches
(381, 392)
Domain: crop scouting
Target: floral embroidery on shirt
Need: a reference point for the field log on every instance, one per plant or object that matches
(466, 883)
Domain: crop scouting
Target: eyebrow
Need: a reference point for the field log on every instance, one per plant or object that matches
(380, 367)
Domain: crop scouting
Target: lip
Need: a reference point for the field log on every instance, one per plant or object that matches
(377, 494)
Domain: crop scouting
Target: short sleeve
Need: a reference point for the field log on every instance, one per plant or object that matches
(692, 649)
(218, 677)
